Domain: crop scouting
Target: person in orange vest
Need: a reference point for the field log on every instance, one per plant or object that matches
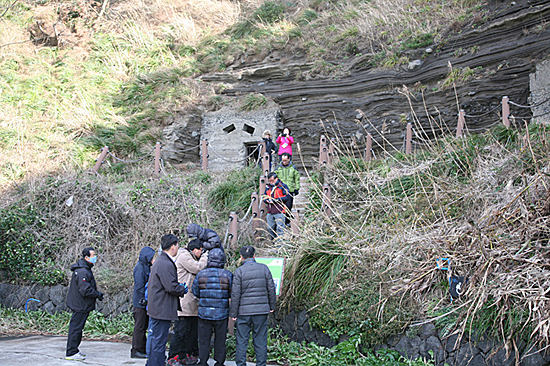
(276, 195)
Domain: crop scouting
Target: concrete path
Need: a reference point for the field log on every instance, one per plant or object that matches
(50, 351)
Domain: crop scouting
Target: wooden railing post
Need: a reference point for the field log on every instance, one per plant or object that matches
(263, 181)
(408, 142)
(505, 111)
(295, 222)
(233, 229)
(265, 164)
(461, 123)
(368, 148)
(327, 194)
(157, 159)
(204, 154)
(323, 151)
(101, 158)
(255, 211)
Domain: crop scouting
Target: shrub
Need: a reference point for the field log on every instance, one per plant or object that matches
(23, 256)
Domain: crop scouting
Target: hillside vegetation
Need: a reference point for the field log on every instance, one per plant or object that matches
(77, 76)
(119, 72)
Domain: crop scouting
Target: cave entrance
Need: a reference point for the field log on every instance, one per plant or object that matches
(250, 148)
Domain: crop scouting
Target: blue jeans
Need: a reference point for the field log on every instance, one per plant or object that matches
(258, 323)
(158, 332)
(276, 225)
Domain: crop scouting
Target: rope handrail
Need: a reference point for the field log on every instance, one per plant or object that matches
(181, 151)
(528, 106)
(234, 161)
(130, 161)
(227, 232)
(248, 210)
(483, 114)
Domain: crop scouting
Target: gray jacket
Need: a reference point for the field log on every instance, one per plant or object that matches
(253, 290)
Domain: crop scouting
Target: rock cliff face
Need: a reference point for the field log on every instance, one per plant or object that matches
(471, 70)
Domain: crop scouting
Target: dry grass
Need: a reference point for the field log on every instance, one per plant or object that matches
(481, 202)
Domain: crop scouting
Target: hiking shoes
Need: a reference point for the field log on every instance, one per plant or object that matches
(76, 357)
(175, 361)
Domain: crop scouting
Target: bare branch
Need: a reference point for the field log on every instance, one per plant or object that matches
(8, 8)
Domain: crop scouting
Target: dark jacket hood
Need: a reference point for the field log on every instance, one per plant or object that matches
(82, 263)
(146, 255)
(216, 258)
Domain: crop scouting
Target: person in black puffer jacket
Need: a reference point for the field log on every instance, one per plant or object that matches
(212, 286)
(81, 300)
(252, 299)
(141, 276)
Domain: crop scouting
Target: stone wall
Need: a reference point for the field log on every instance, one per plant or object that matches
(426, 342)
(53, 299)
(540, 91)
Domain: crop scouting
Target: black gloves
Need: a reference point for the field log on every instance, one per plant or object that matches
(296, 192)
(143, 302)
(100, 297)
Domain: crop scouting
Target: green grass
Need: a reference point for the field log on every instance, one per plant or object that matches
(233, 194)
(15, 321)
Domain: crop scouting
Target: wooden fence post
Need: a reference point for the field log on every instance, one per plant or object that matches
(461, 123)
(408, 142)
(156, 172)
(368, 148)
(101, 158)
(262, 192)
(505, 111)
(255, 211)
(204, 153)
(327, 194)
(323, 151)
(233, 229)
(265, 164)
(295, 222)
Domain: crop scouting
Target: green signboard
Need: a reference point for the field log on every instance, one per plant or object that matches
(277, 268)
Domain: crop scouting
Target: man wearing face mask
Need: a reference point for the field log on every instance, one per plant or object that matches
(81, 300)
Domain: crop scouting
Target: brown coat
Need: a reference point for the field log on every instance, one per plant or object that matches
(188, 266)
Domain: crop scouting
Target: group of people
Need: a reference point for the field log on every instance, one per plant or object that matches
(190, 288)
(283, 184)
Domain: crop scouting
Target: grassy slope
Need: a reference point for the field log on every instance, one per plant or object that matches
(116, 78)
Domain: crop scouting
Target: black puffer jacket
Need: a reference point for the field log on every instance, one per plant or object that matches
(253, 291)
(208, 237)
(83, 289)
(212, 287)
(141, 276)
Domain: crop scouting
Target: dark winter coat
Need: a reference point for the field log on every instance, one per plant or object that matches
(270, 146)
(253, 291)
(164, 289)
(141, 276)
(208, 237)
(212, 286)
(83, 289)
